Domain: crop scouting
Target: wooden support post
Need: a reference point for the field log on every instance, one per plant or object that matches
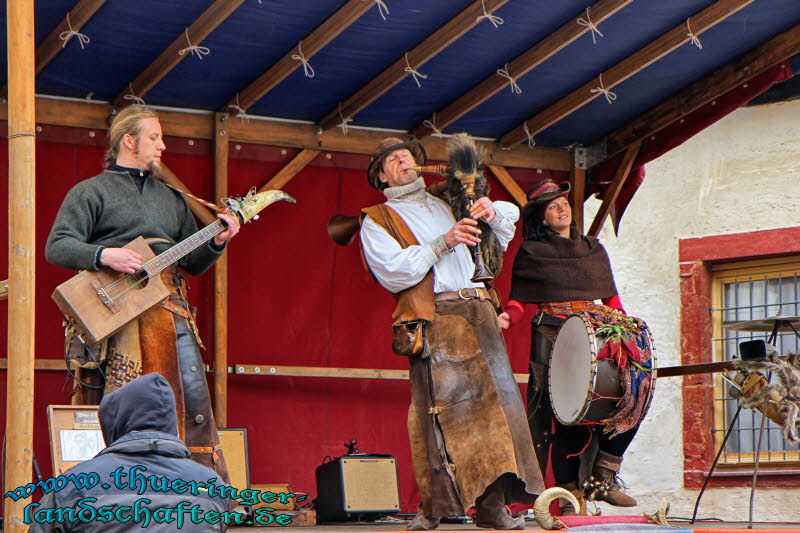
(203, 214)
(21, 256)
(510, 185)
(292, 169)
(612, 192)
(221, 146)
(577, 182)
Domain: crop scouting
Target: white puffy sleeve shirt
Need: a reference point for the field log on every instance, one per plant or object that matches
(397, 268)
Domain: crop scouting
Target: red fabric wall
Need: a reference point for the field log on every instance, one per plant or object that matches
(295, 298)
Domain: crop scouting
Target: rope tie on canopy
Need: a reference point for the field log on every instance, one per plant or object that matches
(610, 96)
(132, 96)
(343, 123)
(241, 114)
(587, 22)
(414, 72)
(432, 125)
(494, 19)
(512, 81)
(67, 35)
(307, 68)
(693, 38)
(382, 7)
(194, 49)
(531, 141)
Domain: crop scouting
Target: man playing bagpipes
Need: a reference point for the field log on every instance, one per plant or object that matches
(469, 438)
(97, 218)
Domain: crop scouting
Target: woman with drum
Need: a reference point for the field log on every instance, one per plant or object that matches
(590, 367)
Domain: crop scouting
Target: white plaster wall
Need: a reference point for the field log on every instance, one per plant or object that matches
(741, 174)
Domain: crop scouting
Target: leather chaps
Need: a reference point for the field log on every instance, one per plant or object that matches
(467, 421)
(160, 341)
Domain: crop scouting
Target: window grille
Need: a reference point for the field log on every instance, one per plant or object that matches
(751, 291)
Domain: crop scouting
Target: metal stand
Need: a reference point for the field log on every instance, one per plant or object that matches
(772, 338)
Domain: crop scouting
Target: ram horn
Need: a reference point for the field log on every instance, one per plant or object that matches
(660, 516)
(251, 205)
(541, 508)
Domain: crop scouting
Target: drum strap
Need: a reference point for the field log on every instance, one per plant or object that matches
(546, 319)
(540, 348)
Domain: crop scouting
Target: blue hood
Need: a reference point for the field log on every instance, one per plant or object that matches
(145, 404)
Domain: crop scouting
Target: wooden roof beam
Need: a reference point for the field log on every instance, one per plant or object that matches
(611, 194)
(509, 184)
(313, 43)
(292, 169)
(52, 45)
(727, 78)
(200, 29)
(201, 212)
(419, 55)
(638, 61)
(521, 65)
(81, 114)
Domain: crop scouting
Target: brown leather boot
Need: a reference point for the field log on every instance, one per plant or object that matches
(604, 484)
(566, 507)
(490, 509)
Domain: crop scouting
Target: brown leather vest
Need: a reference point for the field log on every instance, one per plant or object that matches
(416, 302)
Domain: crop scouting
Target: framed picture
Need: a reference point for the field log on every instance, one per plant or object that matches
(234, 446)
(75, 435)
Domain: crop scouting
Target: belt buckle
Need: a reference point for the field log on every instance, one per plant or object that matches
(461, 296)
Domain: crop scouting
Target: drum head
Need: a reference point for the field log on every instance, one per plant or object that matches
(572, 370)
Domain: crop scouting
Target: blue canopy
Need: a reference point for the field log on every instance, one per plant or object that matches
(125, 37)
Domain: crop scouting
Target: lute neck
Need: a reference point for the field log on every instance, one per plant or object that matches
(183, 248)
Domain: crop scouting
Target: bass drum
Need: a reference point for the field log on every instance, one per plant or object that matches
(582, 389)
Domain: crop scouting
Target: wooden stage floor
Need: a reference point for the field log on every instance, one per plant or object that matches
(680, 526)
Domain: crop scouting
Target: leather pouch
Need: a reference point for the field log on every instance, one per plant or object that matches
(409, 337)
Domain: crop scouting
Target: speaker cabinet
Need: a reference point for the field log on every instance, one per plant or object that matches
(357, 487)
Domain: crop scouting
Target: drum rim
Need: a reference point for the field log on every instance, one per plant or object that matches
(653, 373)
(593, 366)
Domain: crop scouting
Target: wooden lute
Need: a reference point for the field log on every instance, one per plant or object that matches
(101, 303)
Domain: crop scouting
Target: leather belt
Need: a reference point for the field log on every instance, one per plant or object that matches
(565, 308)
(476, 293)
(201, 449)
(176, 308)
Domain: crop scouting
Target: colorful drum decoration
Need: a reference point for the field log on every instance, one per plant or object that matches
(584, 390)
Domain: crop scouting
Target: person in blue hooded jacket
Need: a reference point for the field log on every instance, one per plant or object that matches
(145, 477)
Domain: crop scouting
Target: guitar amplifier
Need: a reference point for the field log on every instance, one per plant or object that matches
(357, 487)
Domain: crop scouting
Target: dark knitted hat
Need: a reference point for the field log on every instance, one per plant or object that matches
(386, 147)
(541, 194)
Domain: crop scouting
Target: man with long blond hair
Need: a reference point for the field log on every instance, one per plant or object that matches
(98, 217)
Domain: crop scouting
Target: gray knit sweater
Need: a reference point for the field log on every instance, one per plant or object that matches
(108, 210)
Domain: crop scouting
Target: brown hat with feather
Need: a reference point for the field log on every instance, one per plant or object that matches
(386, 147)
(541, 194)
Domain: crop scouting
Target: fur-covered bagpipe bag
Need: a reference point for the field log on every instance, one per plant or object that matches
(779, 398)
(466, 159)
